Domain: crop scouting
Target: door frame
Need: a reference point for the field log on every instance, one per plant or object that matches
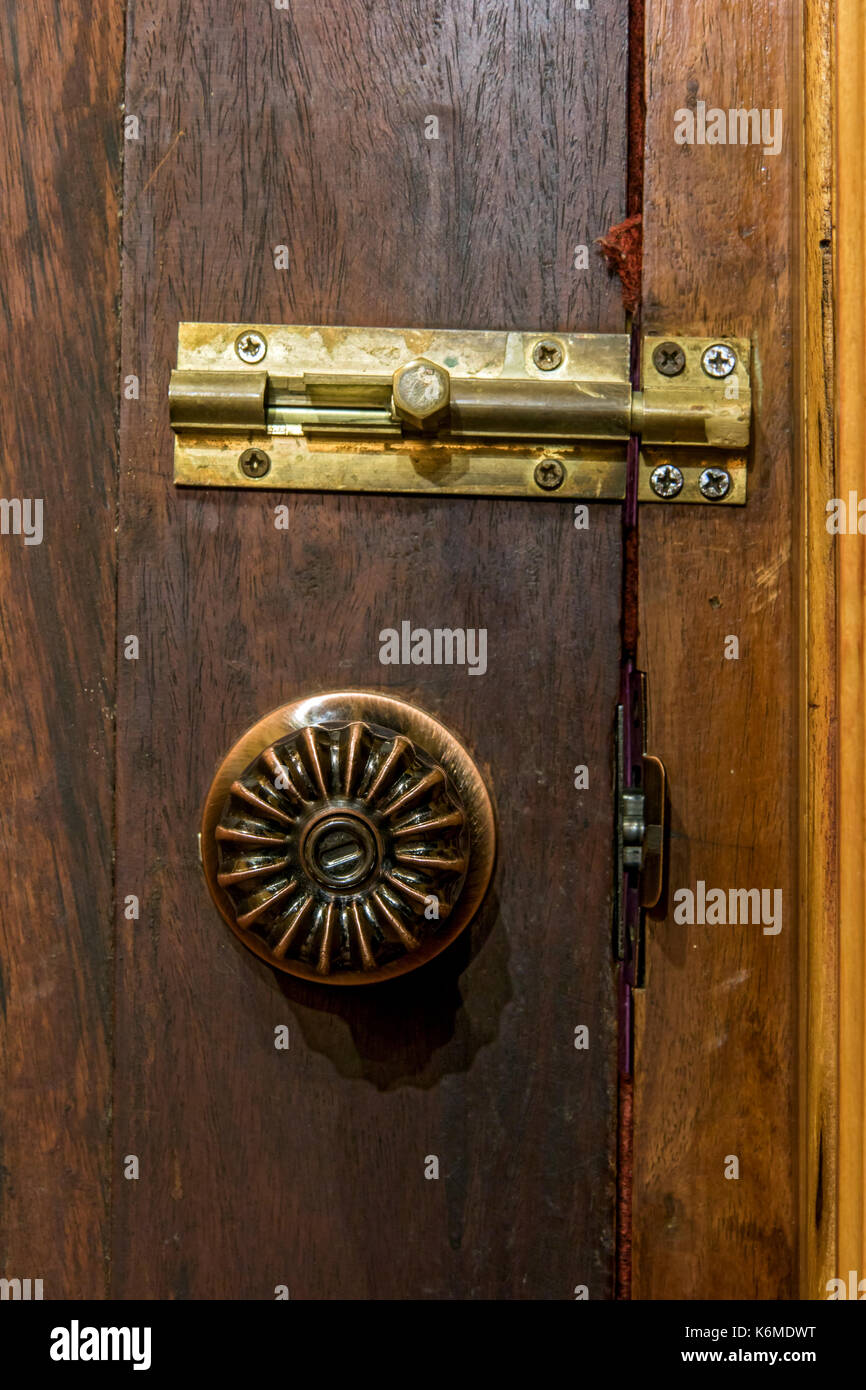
(832, 423)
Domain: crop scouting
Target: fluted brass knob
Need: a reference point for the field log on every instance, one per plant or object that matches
(348, 838)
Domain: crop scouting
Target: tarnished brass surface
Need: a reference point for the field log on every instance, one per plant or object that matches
(404, 466)
(553, 408)
(655, 812)
(691, 463)
(218, 400)
(337, 827)
(691, 407)
(328, 423)
(446, 412)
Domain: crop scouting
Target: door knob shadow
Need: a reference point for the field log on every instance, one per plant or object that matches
(413, 1030)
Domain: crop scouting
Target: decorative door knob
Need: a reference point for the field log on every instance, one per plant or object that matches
(348, 838)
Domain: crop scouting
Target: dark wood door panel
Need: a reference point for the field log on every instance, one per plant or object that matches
(59, 338)
(472, 1059)
(306, 129)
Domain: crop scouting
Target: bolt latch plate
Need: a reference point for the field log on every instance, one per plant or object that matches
(461, 413)
(641, 831)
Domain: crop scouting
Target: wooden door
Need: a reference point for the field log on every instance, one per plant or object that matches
(416, 165)
(421, 166)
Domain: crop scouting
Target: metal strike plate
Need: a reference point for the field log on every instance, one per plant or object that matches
(694, 423)
(434, 411)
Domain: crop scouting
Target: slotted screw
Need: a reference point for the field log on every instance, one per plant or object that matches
(549, 474)
(719, 360)
(254, 463)
(714, 484)
(669, 359)
(547, 355)
(666, 480)
(251, 345)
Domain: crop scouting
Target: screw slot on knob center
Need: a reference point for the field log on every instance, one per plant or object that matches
(340, 851)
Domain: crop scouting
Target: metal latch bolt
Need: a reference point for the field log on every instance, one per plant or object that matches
(454, 412)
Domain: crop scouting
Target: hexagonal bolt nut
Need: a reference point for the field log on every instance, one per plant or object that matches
(666, 480)
(422, 395)
(719, 360)
(714, 483)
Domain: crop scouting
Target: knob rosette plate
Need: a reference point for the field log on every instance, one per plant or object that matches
(348, 838)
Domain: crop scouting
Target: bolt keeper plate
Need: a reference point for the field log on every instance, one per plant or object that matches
(667, 397)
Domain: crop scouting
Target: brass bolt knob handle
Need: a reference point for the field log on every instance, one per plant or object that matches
(421, 395)
(345, 850)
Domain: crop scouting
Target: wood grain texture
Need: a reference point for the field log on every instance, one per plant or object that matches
(850, 198)
(59, 282)
(306, 128)
(819, 843)
(717, 1037)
